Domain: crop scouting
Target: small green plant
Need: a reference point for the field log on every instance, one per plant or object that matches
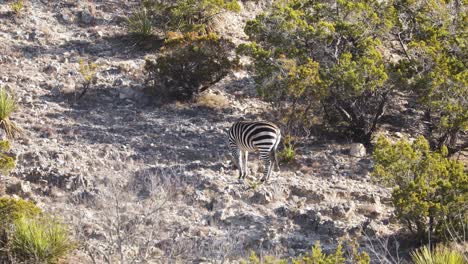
(140, 23)
(254, 185)
(17, 7)
(8, 105)
(288, 154)
(41, 240)
(88, 72)
(439, 255)
(7, 163)
(430, 190)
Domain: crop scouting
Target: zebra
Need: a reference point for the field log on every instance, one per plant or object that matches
(252, 136)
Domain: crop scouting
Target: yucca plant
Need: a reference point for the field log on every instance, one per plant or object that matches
(439, 255)
(8, 105)
(140, 24)
(40, 240)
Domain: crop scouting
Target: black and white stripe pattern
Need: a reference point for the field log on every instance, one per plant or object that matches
(253, 136)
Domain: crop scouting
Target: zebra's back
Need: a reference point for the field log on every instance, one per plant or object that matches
(254, 135)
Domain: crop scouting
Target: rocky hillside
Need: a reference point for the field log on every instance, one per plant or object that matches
(155, 184)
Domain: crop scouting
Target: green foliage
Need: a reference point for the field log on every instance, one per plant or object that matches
(188, 15)
(41, 240)
(140, 23)
(8, 104)
(189, 64)
(13, 209)
(316, 256)
(440, 255)
(433, 36)
(323, 54)
(7, 163)
(28, 235)
(87, 70)
(17, 7)
(288, 154)
(430, 192)
(88, 73)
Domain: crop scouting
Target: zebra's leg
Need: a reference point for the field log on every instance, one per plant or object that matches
(240, 163)
(273, 154)
(246, 155)
(268, 166)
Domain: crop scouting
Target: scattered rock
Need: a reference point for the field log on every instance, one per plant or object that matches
(262, 197)
(51, 68)
(357, 150)
(86, 17)
(314, 196)
(22, 188)
(372, 211)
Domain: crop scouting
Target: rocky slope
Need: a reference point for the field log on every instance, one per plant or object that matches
(153, 184)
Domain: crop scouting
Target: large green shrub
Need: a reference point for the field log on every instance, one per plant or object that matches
(434, 45)
(188, 65)
(430, 191)
(323, 54)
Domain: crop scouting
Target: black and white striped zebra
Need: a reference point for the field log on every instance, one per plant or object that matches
(254, 136)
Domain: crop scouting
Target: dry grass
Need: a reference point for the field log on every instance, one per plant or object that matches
(215, 101)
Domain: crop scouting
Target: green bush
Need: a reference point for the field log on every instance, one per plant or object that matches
(311, 55)
(440, 255)
(188, 15)
(430, 191)
(316, 256)
(12, 209)
(27, 234)
(8, 105)
(434, 66)
(41, 240)
(7, 163)
(189, 64)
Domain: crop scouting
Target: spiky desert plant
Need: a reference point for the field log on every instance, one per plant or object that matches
(8, 105)
(40, 240)
(440, 255)
(140, 23)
